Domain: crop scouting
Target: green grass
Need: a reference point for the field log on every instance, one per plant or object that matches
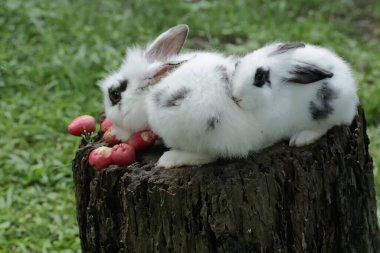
(53, 52)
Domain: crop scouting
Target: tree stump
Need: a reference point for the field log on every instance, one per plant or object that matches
(318, 198)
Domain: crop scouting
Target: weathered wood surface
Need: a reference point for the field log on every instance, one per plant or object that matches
(318, 198)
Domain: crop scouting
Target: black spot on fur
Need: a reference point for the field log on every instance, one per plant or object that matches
(212, 122)
(321, 108)
(114, 93)
(237, 63)
(176, 98)
(305, 73)
(223, 71)
(157, 97)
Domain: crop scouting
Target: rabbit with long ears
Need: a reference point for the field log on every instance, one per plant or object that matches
(297, 90)
(193, 111)
(125, 90)
(213, 107)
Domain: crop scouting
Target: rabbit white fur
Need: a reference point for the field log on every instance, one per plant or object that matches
(284, 90)
(125, 90)
(304, 90)
(192, 110)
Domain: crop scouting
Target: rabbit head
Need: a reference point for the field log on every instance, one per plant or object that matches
(124, 91)
(259, 75)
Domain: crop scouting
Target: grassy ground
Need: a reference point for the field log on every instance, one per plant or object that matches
(53, 52)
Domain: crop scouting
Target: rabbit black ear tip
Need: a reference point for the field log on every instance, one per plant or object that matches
(301, 44)
(287, 46)
(291, 45)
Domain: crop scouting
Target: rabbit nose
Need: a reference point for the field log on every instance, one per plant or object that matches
(236, 100)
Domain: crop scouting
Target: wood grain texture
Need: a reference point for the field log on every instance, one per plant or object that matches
(318, 198)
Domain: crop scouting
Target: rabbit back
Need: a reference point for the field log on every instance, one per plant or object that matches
(192, 110)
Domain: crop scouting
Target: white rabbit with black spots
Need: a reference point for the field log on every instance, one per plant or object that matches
(125, 90)
(298, 91)
(213, 107)
(193, 111)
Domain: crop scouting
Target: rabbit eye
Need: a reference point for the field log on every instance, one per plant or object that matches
(114, 95)
(261, 77)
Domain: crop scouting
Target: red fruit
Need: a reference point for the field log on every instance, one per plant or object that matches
(106, 124)
(82, 125)
(100, 158)
(123, 154)
(142, 140)
(110, 138)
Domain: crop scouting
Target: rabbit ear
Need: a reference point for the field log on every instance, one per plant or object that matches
(168, 43)
(163, 70)
(304, 73)
(285, 47)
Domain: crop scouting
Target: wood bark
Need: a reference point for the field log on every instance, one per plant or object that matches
(318, 198)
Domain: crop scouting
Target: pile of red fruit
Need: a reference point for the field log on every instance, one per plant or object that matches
(119, 153)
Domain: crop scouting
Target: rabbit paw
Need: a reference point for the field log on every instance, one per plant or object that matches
(120, 134)
(304, 138)
(177, 158)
